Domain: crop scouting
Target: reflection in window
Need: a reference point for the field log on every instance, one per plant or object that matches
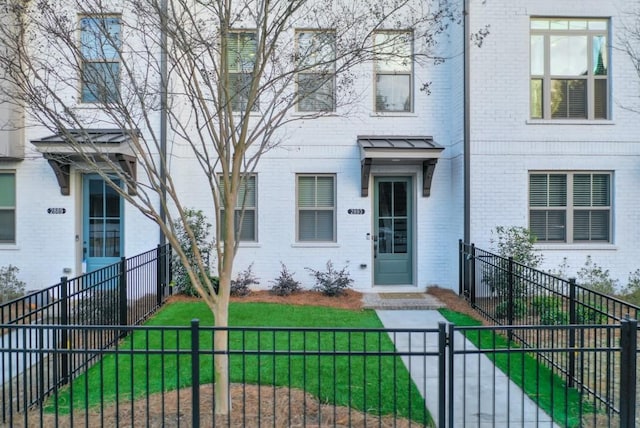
(393, 68)
(569, 69)
(100, 43)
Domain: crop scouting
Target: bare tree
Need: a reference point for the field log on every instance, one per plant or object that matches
(221, 77)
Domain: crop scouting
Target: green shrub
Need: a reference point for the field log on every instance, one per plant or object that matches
(631, 293)
(285, 284)
(520, 309)
(100, 307)
(516, 242)
(594, 277)
(241, 285)
(331, 282)
(201, 229)
(10, 286)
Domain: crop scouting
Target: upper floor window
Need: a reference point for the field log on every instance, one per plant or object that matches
(7, 207)
(316, 72)
(245, 214)
(241, 56)
(570, 207)
(569, 68)
(316, 208)
(393, 71)
(100, 43)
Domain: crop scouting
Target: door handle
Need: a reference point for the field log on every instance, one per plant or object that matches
(375, 250)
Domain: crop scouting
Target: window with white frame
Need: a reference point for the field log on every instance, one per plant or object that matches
(245, 214)
(241, 55)
(393, 71)
(7, 207)
(570, 207)
(316, 70)
(316, 205)
(569, 68)
(100, 43)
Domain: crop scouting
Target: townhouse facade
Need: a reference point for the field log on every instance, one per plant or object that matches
(533, 128)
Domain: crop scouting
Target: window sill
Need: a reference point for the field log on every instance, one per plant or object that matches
(244, 244)
(9, 247)
(394, 114)
(315, 245)
(586, 247)
(569, 122)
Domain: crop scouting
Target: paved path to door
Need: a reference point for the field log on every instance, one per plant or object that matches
(483, 395)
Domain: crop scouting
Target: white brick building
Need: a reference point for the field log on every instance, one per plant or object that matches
(492, 146)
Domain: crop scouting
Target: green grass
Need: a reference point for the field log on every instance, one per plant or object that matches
(360, 382)
(543, 386)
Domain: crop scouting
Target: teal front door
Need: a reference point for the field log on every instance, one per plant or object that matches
(102, 223)
(393, 246)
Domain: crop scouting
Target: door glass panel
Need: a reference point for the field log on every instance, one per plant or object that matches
(112, 238)
(384, 199)
(96, 233)
(112, 202)
(95, 198)
(399, 199)
(400, 236)
(385, 236)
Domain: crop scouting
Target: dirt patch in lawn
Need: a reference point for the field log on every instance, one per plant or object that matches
(349, 300)
(252, 406)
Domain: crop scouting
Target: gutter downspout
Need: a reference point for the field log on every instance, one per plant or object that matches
(467, 125)
(163, 115)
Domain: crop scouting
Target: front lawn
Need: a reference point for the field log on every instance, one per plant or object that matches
(348, 367)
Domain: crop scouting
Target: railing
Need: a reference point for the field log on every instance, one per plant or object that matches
(331, 377)
(121, 294)
(510, 293)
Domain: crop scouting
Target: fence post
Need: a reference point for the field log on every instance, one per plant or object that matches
(451, 369)
(472, 274)
(442, 374)
(169, 258)
(461, 271)
(195, 373)
(159, 274)
(122, 303)
(510, 300)
(573, 319)
(64, 322)
(628, 374)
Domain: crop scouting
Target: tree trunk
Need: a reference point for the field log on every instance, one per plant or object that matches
(220, 345)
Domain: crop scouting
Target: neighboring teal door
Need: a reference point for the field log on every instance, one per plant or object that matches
(102, 223)
(393, 237)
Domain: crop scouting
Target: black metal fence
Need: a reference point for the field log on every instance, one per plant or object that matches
(122, 294)
(509, 293)
(464, 376)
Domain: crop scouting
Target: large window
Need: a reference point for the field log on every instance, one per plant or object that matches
(245, 214)
(316, 208)
(570, 207)
(316, 76)
(569, 69)
(241, 55)
(393, 71)
(100, 42)
(7, 207)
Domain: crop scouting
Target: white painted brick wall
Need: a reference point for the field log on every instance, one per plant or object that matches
(506, 145)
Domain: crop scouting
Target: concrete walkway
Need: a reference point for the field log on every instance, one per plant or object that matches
(483, 395)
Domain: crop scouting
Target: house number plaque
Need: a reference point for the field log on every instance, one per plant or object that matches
(56, 210)
(358, 211)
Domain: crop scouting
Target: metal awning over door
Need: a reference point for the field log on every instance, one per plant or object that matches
(398, 150)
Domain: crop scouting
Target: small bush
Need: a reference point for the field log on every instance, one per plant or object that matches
(331, 282)
(519, 309)
(240, 285)
(101, 307)
(594, 277)
(285, 284)
(10, 286)
(631, 293)
(200, 227)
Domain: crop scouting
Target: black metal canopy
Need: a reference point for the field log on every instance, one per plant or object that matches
(394, 150)
(73, 146)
